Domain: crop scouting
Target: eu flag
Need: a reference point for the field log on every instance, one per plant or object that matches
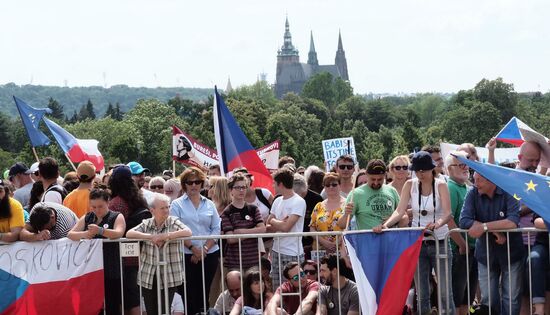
(531, 189)
(31, 118)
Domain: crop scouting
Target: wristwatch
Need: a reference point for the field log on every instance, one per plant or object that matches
(190, 247)
(485, 227)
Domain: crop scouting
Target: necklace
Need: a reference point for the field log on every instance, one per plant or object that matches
(423, 211)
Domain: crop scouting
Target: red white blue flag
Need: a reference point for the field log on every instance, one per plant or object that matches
(516, 132)
(77, 150)
(51, 277)
(234, 149)
(384, 266)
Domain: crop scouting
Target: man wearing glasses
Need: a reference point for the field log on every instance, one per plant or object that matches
(298, 294)
(345, 166)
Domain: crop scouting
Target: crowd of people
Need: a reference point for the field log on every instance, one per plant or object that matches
(292, 274)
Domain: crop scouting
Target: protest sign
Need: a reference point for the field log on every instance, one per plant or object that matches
(269, 155)
(334, 148)
(36, 277)
(501, 154)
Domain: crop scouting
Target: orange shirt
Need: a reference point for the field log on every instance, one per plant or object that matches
(78, 201)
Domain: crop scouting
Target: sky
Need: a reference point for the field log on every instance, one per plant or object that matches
(401, 46)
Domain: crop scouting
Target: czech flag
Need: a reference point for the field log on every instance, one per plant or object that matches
(77, 150)
(516, 132)
(234, 149)
(384, 266)
(51, 277)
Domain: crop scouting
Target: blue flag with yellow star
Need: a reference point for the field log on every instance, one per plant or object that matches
(531, 189)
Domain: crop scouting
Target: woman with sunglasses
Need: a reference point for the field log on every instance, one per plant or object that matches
(200, 215)
(11, 215)
(399, 170)
(431, 208)
(325, 216)
(156, 184)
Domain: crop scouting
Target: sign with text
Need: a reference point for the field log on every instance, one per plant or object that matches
(187, 150)
(334, 148)
(501, 154)
(129, 249)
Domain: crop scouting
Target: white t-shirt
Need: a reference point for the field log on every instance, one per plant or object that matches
(283, 208)
(427, 203)
(52, 195)
(264, 210)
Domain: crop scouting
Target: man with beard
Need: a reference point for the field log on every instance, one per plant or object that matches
(339, 294)
(371, 204)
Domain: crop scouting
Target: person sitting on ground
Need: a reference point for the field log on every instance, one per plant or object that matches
(255, 295)
(11, 216)
(48, 221)
(159, 229)
(339, 294)
(310, 269)
(226, 299)
(294, 304)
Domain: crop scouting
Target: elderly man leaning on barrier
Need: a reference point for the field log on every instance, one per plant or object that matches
(48, 221)
(487, 207)
(159, 229)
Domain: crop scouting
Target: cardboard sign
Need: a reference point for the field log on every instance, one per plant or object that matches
(334, 148)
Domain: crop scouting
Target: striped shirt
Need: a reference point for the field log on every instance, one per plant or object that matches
(65, 219)
(246, 218)
(174, 260)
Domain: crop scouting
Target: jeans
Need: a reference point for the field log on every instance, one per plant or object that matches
(539, 272)
(461, 277)
(427, 261)
(501, 280)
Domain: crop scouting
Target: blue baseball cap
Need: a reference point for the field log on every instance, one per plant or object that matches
(136, 168)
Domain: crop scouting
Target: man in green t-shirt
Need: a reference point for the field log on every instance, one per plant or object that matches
(458, 176)
(371, 204)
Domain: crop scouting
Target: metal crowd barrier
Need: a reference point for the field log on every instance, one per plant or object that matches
(130, 248)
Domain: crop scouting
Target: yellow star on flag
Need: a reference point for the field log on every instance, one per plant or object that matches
(531, 185)
(517, 197)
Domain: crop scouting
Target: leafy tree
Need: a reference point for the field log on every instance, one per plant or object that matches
(5, 132)
(320, 87)
(118, 114)
(342, 90)
(90, 110)
(501, 95)
(57, 109)
(259, 91)
(110, 112)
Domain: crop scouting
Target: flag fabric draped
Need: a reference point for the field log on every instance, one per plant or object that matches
(531, 189)
(77, 150)
(31, 118)
(51, 277)
(384, 266)
(234, 149)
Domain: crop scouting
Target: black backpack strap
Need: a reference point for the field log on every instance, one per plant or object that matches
(262, 198)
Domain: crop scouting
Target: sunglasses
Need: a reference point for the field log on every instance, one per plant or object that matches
(240, 188)
(331, 185)
(194, 182)
(156, 187)
(310, 272)
(347, 166)
(399, 168)
(297, 277)
(461, 165)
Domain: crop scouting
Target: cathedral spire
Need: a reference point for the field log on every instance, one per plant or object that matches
(288, 49)
(312, 55)
(228, 88)
(340, 59)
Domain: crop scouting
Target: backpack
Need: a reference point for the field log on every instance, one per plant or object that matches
(262, 198)
(56, 188)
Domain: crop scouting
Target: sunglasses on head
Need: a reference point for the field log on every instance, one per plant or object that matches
(331, 185)
(156, 186)
(297, 277)
(194, 182)
(399, 168)
(343, 167)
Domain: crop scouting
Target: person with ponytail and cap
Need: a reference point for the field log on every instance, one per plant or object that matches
(431, 207)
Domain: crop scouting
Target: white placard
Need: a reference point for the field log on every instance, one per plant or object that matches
(129, 249)
(334, 148)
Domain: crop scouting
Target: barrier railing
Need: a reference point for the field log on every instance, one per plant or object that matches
(445, 305)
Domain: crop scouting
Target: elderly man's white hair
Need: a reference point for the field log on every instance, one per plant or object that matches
(300, 184)
(310, 169)
(158, 197)
(449, 159)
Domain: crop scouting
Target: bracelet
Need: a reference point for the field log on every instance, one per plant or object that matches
(206, 248)
(101, 230)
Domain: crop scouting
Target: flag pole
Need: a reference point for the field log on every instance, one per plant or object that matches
(74, 168)
(174, 168)
(35, 155)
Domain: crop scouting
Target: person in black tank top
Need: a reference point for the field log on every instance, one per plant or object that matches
(103, 223)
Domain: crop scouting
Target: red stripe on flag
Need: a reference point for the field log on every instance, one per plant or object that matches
(250, 160)
(398, 284)
(81, 295)
(76, 154)
(516, 142)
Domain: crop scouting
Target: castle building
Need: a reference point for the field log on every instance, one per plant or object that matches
(292, 74)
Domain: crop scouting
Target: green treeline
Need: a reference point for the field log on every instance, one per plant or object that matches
(327, 108)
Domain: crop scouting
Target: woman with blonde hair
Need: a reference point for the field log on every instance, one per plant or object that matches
(399, 170)
(219, 192)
